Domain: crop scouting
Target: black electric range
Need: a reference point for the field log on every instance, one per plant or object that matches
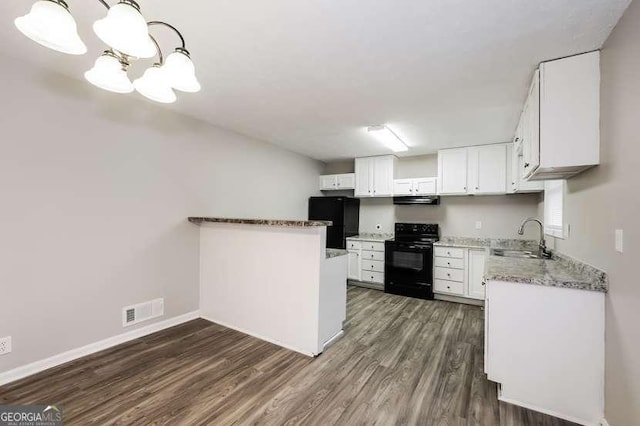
(408, 262)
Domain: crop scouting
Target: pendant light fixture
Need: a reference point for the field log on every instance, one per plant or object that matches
(126, 32)
(180, 71)
(110, 73)
(154, 84)
(50, 24)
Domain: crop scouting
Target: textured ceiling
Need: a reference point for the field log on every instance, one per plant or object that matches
(311, 75)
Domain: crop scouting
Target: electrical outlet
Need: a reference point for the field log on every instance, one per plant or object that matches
(5, 345)
(478, 225)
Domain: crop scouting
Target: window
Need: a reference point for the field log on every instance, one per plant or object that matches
(554, 191)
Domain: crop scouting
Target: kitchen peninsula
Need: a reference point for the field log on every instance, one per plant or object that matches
(273, 279)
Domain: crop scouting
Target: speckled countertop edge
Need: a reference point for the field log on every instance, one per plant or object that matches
(560, 271)
(263, 222)
(331, 253)
(371, 237)
(471, 242)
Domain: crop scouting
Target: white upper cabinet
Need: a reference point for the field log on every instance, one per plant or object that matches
(475, 170)
(418, 186)
(487, 171)
(374, 176)
(337, 182)
(561, 118)
(514, 172)
(402, 187)
(425, 186)
(452, 171)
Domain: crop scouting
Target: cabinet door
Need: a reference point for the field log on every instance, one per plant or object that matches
(328, 182)
(355, 263)
(476, 274)
(452, 171)
(531, 129)
(402, 187)
(364, 181)
(424, 186)
(488, 169)
(346, 181)
(383, 176)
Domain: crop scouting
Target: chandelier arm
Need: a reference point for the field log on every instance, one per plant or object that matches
(105, 4)
(160, 56)
(151, 23)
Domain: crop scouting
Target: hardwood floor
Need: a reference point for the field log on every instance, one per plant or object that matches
(401, 361)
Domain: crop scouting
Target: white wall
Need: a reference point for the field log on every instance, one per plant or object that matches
(95, 191)
(457, 216)
(607, 198)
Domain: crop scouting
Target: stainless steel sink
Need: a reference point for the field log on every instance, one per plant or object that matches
(522, 254)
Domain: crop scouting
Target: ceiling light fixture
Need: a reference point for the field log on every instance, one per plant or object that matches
(50, 24)
(110, 73)
(389, 139)
(126, 32)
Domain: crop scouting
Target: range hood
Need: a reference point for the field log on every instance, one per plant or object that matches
(433, 200)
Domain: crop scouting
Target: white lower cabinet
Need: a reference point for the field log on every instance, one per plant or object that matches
(366, 262)
(459, 272)
(354, 265)
(545, 347)
(476, 273)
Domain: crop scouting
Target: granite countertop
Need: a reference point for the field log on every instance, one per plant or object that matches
(502, 243)
(264, 222)
(559, 271)
(331, 252)
(371, 237)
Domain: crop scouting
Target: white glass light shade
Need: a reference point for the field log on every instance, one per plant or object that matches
(51, 25)
(153, 85)
(125, 30)
(180, 72)
(109, 74)
(389, 139)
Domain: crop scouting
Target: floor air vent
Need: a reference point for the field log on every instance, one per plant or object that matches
(142, 312)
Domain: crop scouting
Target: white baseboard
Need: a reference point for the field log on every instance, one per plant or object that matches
(332, 340)
(56, 360)
(257, 336)
(549, 412)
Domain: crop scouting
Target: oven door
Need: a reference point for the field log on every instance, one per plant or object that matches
(409, 265)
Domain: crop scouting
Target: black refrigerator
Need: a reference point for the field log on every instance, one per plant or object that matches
(344, 212)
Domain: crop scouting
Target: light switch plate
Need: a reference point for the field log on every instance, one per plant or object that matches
(619, 240)
(478, 225)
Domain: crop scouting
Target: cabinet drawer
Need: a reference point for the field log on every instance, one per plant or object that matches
(372, 246)
(353, 245)
(449, 287)
(457, 253)
(373, 277)
(372, 255)
(449, 262)
(372, 265)
(449, 274)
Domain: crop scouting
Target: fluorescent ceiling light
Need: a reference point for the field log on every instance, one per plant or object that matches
(388, 138)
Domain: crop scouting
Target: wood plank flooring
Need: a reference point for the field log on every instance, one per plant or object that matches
(402, 361)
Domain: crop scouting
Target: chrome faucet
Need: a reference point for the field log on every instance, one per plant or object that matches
(543, 244)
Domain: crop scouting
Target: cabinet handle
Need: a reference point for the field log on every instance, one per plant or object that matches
(517, 139)
(448, 275)
(449, 287)
(484, 282)
(449, 253)
(477, 188)
(465, 188)
(526, 165)
(449, 263)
